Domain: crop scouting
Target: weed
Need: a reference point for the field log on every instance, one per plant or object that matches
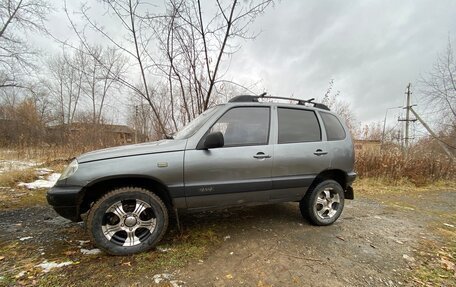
(12, 178)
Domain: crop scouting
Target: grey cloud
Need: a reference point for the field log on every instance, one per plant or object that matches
(371, 48)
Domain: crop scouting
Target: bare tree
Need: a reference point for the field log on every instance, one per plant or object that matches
(135, 49)
(440, 85)
(100, 72)
(183, 46)
(343, 109)
(195, 44)
(65, 84)
(18, 17)
(75, 75)
(439, 91)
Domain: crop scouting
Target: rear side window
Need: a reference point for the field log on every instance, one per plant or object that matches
(298, 126)
(334, 129)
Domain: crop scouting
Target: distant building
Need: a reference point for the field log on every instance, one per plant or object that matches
(118, 134)
(368, 145)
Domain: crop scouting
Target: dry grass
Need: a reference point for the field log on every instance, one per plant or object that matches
(42, 154)
(12, 178)
(380, 185)
(12, 196)
(393, 166)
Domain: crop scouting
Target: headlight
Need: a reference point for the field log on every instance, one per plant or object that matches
(69, 170)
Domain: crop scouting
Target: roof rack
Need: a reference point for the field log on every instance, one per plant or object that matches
(253, 98)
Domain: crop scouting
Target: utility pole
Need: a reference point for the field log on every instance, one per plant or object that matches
(407, 119)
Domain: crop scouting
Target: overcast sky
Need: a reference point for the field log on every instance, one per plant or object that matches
(372, 49)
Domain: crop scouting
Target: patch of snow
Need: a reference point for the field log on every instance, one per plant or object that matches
(9, 165)
(25, 238)
(41, 183)
(226, 238)
(408, 258)
(90, 251)
(158, 278)
(163, 249)
(48, 266)
(177, 283)
(166, 277)
(43, 171)
(82, 242)
(58, 220)
(449, 225)
(20, 274)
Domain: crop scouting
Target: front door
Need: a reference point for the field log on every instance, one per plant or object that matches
(237, 173)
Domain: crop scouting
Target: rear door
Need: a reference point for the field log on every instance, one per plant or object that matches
(339, 143)
(238, 173)
(300, 153)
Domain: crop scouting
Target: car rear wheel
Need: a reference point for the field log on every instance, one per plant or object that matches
(323, 204)
(127, 220)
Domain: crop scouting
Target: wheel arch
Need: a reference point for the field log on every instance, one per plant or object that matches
(97, 188)
(337, 175)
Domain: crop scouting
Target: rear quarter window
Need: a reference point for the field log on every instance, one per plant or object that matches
(296, 125)
(334, 129)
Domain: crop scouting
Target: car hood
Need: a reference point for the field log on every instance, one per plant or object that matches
(132, 150)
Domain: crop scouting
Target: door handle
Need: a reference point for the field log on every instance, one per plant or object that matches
(320, 152)
(261, 155)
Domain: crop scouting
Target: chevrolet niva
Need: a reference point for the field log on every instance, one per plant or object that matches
(246, 152)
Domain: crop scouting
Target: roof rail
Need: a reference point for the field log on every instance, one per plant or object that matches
(253, 98)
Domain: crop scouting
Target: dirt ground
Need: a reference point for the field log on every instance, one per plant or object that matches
(373, 244)
(380, 240)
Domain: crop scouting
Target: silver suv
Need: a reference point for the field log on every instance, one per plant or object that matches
(245, 152)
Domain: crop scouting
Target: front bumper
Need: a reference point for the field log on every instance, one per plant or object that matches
(66, 201)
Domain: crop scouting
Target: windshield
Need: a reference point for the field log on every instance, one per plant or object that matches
(194, 125)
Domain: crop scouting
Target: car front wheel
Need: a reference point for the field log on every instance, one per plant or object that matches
(127, 220)
(323, 204)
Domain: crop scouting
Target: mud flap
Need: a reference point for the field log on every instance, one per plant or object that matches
(176, 214)
(349, 194)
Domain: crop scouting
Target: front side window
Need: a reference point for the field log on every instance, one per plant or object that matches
(296, 125)
(244, 126)
(334, 129)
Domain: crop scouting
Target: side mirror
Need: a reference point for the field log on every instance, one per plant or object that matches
(214, 140)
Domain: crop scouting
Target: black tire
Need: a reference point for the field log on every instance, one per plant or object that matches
(318, 208)
(142, 219)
